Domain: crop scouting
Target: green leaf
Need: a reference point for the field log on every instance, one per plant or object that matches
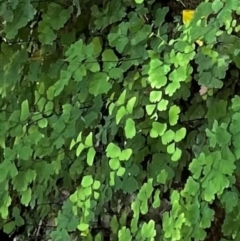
(230, 200)
(236, 103)
(150, 109)
(26, 197)
(80, 148)
(139, 1)
(123, 219)
(155, 96)
(64, 80)
(157, 201)
(24, 111)
(130, 185)
(207, 79)
(99, 84)
(114, 225)
(121, 171)
(81, 71)
(141, 35)
(113, 151)
(121, 99)
(116, 73)
(79, 137)
(83, 227)
(160, 16)
(92, 66)
(222, 136)
(162, 105)
(6, 169)
(112, 178)
(157, 73)
(96, 195)
(148, 230)
(171, 148)
(227, 164)
(179, 74)
(96, 185)
(88, 140)
(49, 23)
(21, 16)
(73, 143)
(119, 39)
(9, 227)
(114, 164)
(172, 88)
(124, 234)
(43, 123)
(49, 107)
(192, 187)
(50, 93)
(158, 128)
(109, 55)
(173, 115)
(87, 181)
(17, 216)
(97, 46)
(130, 104)
(168, 136)
(180, 134)
(25, 152)
(120, 114)
(90, 156)
(125, 154)
(130, 129)
(162, 176)
(217, 5)
(176, 155)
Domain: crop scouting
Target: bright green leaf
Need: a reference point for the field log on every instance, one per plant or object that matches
(120, 114)
(87, 181)
(150, 109)
(130, 104)
(83, 227)
(125, 154)
(159, 128)
(180, 134)
(155, 96)
(96, 185)
(176, 155)
(88, 140)
(168, 136)
(90, 156)
(120, 171)
(114, 164)
(173, 115)
(162, 105)
(80, 148)
(130, 129)
(113, 150)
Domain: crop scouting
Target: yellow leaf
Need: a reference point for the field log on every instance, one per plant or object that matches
(199, 42)
(187, 15)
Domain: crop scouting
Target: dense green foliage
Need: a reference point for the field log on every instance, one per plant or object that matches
(103, 132)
